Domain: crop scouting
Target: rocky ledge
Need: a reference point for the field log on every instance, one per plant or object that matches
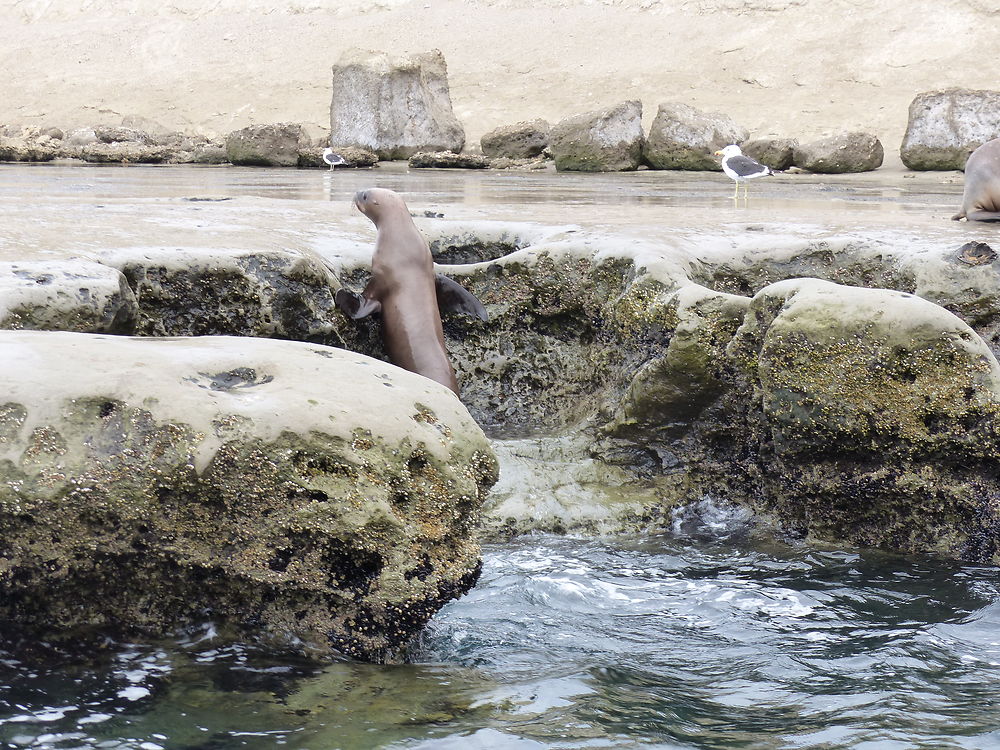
(176, 480)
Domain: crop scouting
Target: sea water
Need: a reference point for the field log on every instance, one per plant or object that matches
(691, 639)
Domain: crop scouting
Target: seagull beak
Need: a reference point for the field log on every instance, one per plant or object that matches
(718, 153)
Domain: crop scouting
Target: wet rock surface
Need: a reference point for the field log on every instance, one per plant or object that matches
(227, 476)
(872, 418)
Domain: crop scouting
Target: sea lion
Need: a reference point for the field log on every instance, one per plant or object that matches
(981, 197)
(405, 289)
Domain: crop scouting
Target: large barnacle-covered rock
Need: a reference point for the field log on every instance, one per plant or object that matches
(301, 493)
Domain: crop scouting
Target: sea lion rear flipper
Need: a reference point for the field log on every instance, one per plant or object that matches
(354, 305)
(981, 215)
(453, 297)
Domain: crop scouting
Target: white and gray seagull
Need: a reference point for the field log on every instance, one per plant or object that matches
(740, 168)
(332, 158)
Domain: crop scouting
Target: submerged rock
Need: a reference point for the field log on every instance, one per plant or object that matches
(606, 140)
(394, 106)
(238, 481)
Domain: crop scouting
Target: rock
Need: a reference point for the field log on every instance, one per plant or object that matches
(395, 107)
(199, 292)
(448, 160)
(21, 149)
(523, 140)
(275, 145)
(606, 140)
(776, 153)
(124, 152)
(872, 418)
(682, 137)
(66, 295)
(80, 137)
(520, 165)
(669, 392)
(976, 254)
(122, 135)
(207, 152)
(240, 482)
(945, 126)
(355, 157)
(847, 152)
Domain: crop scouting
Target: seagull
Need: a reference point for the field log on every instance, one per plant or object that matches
(740, 168)
(333, 159)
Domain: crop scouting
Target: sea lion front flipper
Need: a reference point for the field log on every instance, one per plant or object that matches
(354, 305)
(453, 297)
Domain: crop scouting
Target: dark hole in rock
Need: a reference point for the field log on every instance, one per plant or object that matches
(465, 249)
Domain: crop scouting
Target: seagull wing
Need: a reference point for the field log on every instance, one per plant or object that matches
(744, 166)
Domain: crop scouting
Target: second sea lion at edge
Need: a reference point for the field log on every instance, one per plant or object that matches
(981, 196)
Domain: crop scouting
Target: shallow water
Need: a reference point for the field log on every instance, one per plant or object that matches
(705, 638)
(675, 641)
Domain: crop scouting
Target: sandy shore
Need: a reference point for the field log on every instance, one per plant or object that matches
(796, 68)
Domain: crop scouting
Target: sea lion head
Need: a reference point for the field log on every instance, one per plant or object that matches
(377, 202)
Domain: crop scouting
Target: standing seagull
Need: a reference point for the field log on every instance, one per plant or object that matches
(740, 168)
(333, 159)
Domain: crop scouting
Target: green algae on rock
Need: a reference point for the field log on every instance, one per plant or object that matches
(869, 416)
(236, 478)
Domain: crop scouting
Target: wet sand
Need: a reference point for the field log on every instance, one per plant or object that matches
(56, 210)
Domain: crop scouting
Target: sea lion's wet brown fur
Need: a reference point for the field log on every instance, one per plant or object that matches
(981, 197)
(403, 288)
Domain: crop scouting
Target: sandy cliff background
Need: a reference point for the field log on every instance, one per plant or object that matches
(796, 68)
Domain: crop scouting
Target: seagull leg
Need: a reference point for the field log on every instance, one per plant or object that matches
(736, 195)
